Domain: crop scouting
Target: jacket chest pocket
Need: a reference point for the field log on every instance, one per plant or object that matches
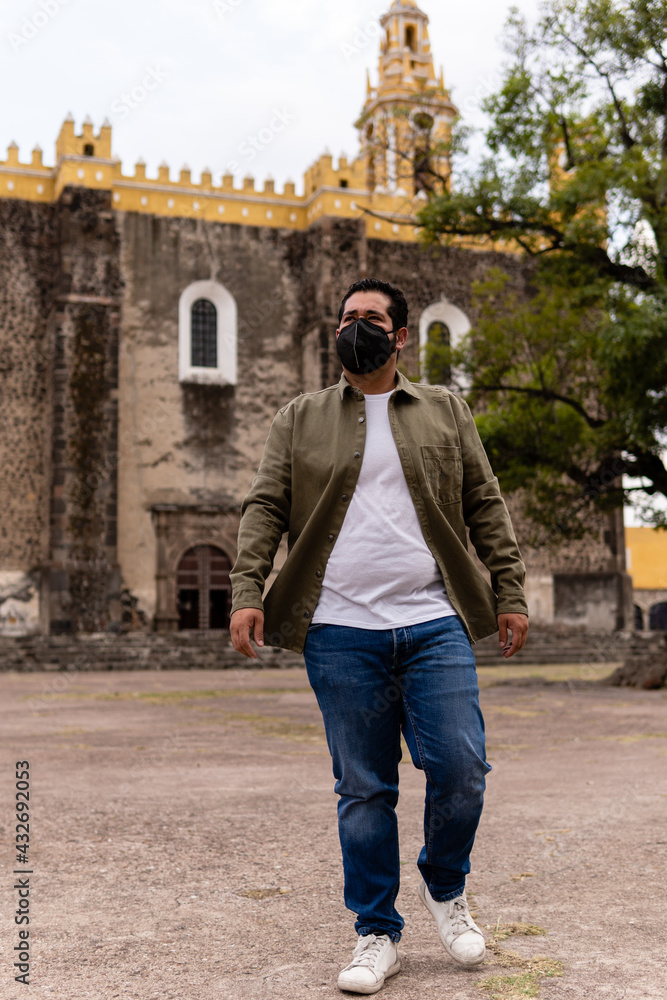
(443, 472)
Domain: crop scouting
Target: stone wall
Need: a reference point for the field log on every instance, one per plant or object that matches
(84, 576)
(105, 439)
(27, 262)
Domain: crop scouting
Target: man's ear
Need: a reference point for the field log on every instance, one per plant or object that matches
(400, 342)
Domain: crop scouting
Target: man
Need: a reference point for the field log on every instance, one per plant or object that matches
(375, 480)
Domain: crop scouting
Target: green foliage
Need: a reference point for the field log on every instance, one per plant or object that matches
(438, 355)
(569, 374)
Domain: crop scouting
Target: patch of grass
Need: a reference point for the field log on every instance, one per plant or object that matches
(263, 893)
(522, 713)
(556, 672)
(524, 984)
(280, 728)
(502, 931)
(170, 697)
(629, 737)
(494, 749)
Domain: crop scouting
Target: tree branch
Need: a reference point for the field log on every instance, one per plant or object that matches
(649, 465)
(493, 227)
(546, 394)
(626, 137)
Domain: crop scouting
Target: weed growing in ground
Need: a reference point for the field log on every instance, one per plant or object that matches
(533, 970)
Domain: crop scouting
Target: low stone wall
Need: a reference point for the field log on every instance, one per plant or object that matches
(213, 651)
(135, 651)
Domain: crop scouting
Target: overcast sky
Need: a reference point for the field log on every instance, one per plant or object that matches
(214, 72)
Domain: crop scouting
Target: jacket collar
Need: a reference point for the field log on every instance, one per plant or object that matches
(402, 385)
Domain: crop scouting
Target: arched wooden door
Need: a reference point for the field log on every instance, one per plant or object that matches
(203, 589)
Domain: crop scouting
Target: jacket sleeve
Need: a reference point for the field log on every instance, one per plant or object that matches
(486, 515)
(265, 515)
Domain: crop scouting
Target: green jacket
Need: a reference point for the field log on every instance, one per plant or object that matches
(307, 477)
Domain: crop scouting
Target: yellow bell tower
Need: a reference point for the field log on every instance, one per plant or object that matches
(406, 121)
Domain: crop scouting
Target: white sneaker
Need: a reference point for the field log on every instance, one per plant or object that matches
(459, 933)
(374, 960)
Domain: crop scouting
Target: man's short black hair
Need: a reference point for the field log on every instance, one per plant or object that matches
(398, 308)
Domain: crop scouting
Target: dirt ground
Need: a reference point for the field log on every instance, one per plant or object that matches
(183, 841)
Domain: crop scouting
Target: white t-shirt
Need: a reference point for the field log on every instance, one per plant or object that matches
(381, 573)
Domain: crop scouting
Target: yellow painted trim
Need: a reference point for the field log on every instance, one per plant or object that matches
(647, 548)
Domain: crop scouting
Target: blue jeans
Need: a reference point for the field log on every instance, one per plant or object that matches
(370, 686)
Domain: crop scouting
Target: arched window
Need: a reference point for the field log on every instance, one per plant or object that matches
(203, 589)
(438, 369)
(204, 334)
(441, 324)
(89, 149)
(207, 334)
(657, 617)
(411, 38)
(422, 156)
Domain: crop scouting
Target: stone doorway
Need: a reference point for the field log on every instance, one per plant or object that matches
(196, 548)
(203, 589)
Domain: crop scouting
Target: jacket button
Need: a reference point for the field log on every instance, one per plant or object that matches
(318, 574)
(362, 419)
(306, 614)
(357, 454)
(345, 498)
(331, 538)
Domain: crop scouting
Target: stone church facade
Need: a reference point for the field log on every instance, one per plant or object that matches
(150, 329)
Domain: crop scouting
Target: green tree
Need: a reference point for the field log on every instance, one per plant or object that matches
(572, 377)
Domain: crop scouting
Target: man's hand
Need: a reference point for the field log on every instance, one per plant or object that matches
(518, 626)
(241, 624)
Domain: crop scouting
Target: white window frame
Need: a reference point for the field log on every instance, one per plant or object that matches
(225, 305)
(458, 325)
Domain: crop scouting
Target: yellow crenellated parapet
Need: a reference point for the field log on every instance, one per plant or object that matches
(87, 143)
(28, 181)
(84, 159)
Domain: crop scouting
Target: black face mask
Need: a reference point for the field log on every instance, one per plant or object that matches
(364, 347)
